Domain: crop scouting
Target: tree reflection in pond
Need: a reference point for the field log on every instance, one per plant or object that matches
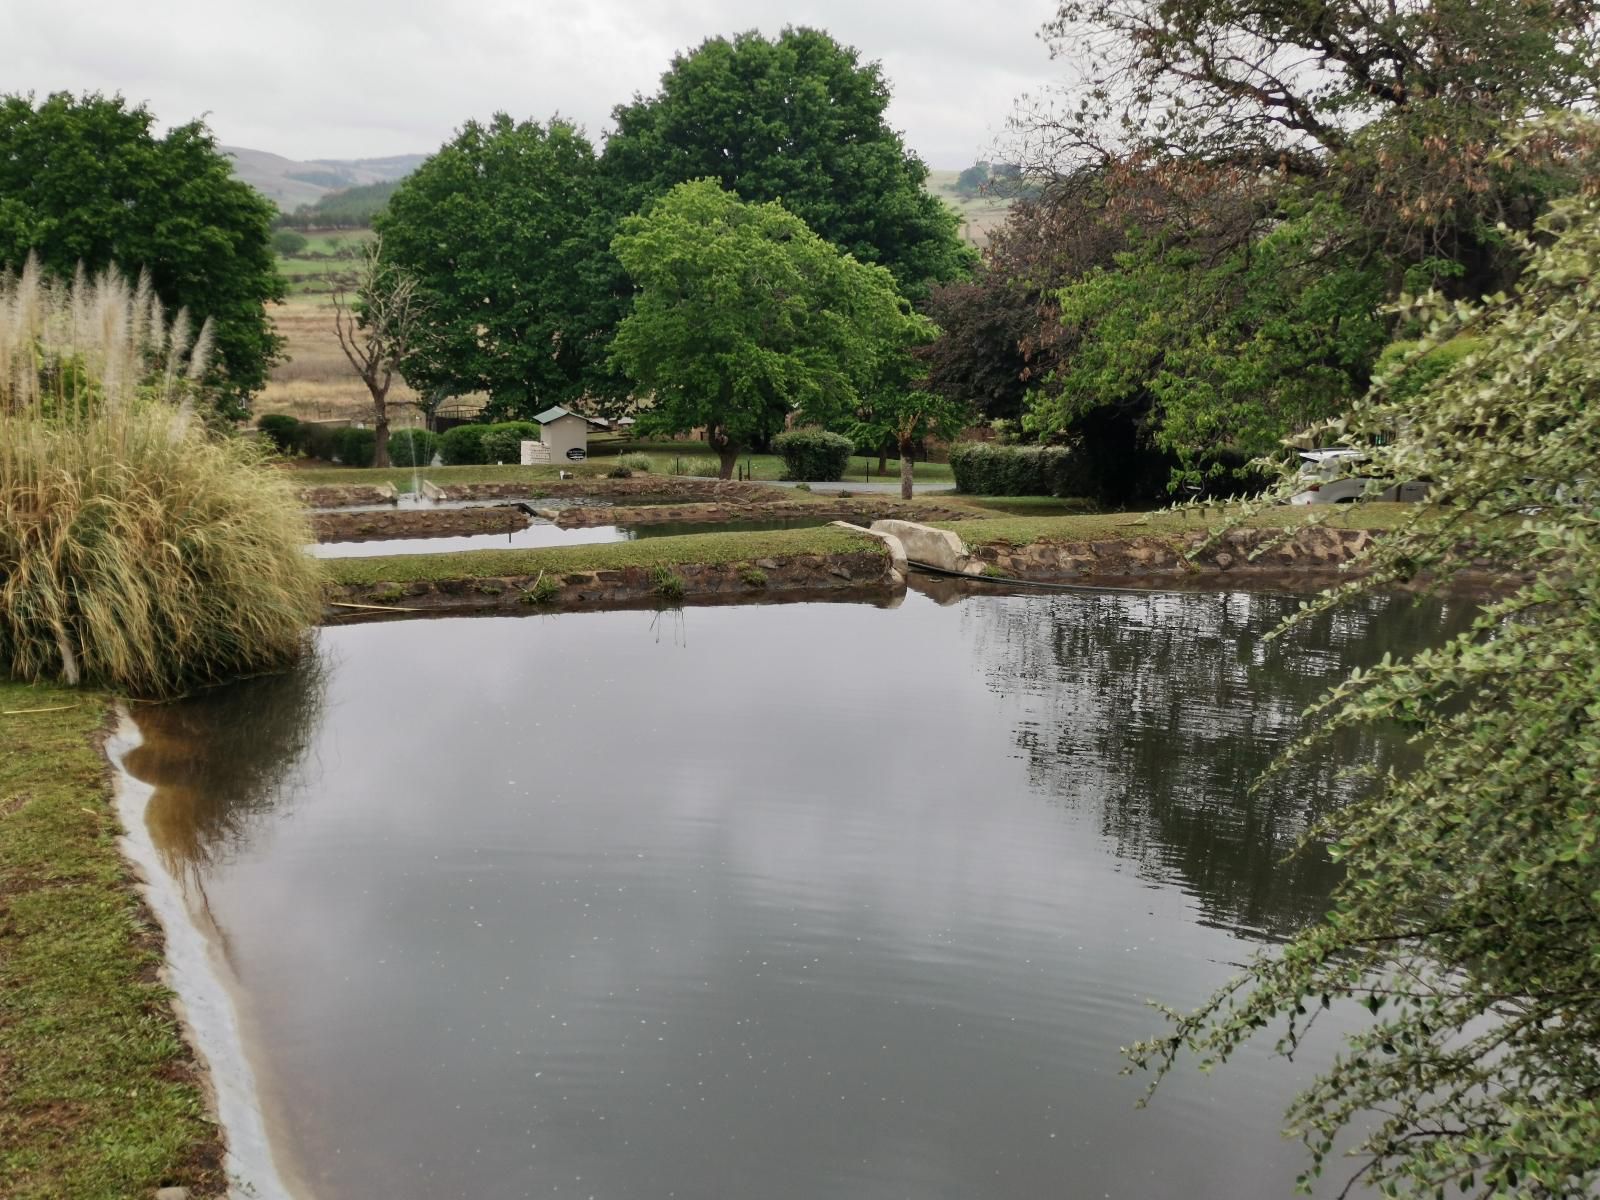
(1165, 709)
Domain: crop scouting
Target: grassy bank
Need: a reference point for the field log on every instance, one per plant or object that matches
(99, 1095)
(1089, 527)
(403, 478)
(667, 456)
(701, 548)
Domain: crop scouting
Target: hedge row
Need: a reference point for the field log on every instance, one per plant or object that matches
(812, 455)
(985, 469)
(345, 444)
(502, 443)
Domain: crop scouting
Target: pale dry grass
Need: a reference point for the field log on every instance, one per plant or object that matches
(137, 549)
(318, 383)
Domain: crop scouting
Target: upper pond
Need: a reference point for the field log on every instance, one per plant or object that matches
(801, 901)
(547, 533)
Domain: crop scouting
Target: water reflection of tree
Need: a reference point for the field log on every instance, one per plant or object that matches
(1162, 709)
(221, 760)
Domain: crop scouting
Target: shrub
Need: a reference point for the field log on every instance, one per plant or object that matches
(813, 455)
(317, 440)
(705, 468)
(1409, 378)
(620, 473)
(502, 445)
(412, 447)
(983, 469)
(287, 242)
(462, 445)
(636, 462)
(354, 447)
(137, 551)
(282, 430)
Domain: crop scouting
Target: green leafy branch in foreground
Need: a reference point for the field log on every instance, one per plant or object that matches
(1468, 924)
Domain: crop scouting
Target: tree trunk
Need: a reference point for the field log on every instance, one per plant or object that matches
(908, 464)
(380, 428)
(727, 453)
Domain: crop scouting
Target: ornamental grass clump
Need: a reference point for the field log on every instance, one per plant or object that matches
(138, 550)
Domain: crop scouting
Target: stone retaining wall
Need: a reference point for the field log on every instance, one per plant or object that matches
(341, 495)
(1317, 549)
(860, 574)
(417, 523)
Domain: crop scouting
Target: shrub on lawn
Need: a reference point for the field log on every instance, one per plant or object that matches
(282, 430)
(502, 446)
(137, 551)
(985, 469)
(412, 447)
(354, 447)
(812, 455)
(636, 462)
(317, 439)
(462, 445)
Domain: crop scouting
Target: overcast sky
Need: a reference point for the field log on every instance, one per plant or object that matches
(364, 78)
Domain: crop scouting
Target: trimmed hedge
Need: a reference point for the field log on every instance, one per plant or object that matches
(985, 469)
(466, 445)
(354, 447)
(282, 430)
(411, 447)
(812, 455)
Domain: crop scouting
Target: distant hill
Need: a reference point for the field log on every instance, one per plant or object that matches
(290, 182)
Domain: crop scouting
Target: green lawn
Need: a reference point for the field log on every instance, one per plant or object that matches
(1086, 527)
(403, 477)
(702, 548)
(98, 1094)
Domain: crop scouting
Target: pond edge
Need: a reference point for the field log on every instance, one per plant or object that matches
(204, 1006)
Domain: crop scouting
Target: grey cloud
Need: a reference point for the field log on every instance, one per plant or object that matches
(310, 78)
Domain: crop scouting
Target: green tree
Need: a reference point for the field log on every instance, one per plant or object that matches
(971, 181)
(743, 316)
(286, 243)
(906, 418)
(499, 228)
(799, 120)
(89, 181)
(1468, 922)
(1218, 354)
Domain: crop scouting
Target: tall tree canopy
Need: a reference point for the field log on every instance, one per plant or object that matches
(743, 316)
(800, 120)
(501, 228)
(87, 180)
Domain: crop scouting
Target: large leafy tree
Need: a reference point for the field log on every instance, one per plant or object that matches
(799, 119)
(88, 180)
(744, 316)
(1468, 923)
(1218, 353)
(500, 229)
(1397, 108)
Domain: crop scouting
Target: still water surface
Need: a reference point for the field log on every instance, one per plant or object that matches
(799, 901)
(547, 533)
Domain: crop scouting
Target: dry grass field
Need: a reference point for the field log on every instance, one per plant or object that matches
(980, 215)
(317, 383)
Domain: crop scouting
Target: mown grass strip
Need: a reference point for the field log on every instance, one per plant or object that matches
(707, 549)
(1092, 527)
(99, 1095)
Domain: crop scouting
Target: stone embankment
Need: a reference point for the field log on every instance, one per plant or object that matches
(1317, 550)
(345, 495)
(865, 574)
(417, 523)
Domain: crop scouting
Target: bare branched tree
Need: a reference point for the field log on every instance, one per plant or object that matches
(379, 316)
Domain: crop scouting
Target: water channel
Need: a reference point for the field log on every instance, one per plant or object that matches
(546, 533)
(785, 901)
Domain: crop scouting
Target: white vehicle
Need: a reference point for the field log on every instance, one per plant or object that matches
(1325, 482)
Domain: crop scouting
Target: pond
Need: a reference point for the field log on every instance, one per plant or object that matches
(545, 533)
(783, 901)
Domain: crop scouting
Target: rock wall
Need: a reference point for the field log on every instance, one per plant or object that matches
(417, 523)
(1317, 550)
(860, 574)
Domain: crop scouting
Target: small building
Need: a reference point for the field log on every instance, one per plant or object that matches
(563, 437)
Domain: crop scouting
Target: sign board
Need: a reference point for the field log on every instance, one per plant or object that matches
(535, 453)
(576, 454)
